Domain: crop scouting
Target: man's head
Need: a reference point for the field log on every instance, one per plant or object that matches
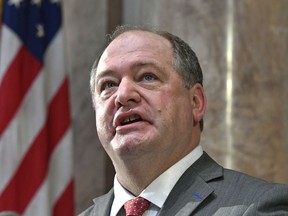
(185, 60)
(147, 105)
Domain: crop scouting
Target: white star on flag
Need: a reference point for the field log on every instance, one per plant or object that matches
(15, 2)
(36, 2)
(40, 31)
(55, 1)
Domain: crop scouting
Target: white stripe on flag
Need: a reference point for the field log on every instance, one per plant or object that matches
(54, 65)
(10, 44)
(59, 176)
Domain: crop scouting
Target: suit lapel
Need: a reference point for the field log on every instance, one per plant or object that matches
(192, 189)
(103, 204)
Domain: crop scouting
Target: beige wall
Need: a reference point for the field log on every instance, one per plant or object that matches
(85, 25)
(242, 47)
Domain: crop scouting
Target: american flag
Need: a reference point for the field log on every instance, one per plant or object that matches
(35, 134)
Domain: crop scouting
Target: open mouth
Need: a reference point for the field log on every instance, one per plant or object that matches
(131, 119)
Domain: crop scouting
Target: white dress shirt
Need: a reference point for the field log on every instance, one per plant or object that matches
(158, 191)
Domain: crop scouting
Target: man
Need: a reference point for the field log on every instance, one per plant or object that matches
(149, 102)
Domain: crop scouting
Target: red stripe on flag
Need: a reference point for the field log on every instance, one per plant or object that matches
(16, 82)
(64, 205)
(59, 114)
(34, 166)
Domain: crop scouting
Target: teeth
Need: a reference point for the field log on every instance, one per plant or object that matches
(130, 119)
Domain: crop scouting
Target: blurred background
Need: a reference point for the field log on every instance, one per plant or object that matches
(242, 46)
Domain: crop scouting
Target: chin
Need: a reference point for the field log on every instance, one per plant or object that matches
(129, 146)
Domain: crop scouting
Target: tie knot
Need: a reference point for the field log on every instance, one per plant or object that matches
(136, 207)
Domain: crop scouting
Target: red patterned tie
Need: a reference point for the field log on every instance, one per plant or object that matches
(136, 207)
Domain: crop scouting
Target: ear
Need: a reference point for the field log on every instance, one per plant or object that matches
(198, 102)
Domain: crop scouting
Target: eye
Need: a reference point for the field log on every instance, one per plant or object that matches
(148, 77)
(108, 85)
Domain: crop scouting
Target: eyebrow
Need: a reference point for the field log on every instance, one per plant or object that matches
(104, 73)
(147, 64)
(139, 64)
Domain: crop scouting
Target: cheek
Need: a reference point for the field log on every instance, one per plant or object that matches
(103, 126)
(166, 108)
(99, 123)
(101, 116)
(177, 108)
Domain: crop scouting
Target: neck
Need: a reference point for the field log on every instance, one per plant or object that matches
(135, 174)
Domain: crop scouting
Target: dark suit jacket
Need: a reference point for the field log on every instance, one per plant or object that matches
(206, 188)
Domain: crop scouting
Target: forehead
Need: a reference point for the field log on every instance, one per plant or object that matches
(136, 46)
(142, 38)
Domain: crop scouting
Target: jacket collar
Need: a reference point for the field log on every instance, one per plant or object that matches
(192, 189)
(103, 204)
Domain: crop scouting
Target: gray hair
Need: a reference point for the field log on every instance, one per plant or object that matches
(185, 61)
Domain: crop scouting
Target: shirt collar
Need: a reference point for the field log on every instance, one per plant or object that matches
(121, 196)
(158, 191)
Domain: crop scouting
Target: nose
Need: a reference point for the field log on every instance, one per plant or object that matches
(127, 94)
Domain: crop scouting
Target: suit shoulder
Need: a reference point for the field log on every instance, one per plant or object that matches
(87, 212)
(251, 186)
(101, 205)
(238, 177)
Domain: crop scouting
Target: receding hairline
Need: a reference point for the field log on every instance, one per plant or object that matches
(145, 31)
(169, 46)
(163, 38)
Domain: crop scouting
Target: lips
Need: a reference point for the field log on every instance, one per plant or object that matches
(127, 118)
(131, 119)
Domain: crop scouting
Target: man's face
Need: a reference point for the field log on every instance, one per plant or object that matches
(142, 107)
